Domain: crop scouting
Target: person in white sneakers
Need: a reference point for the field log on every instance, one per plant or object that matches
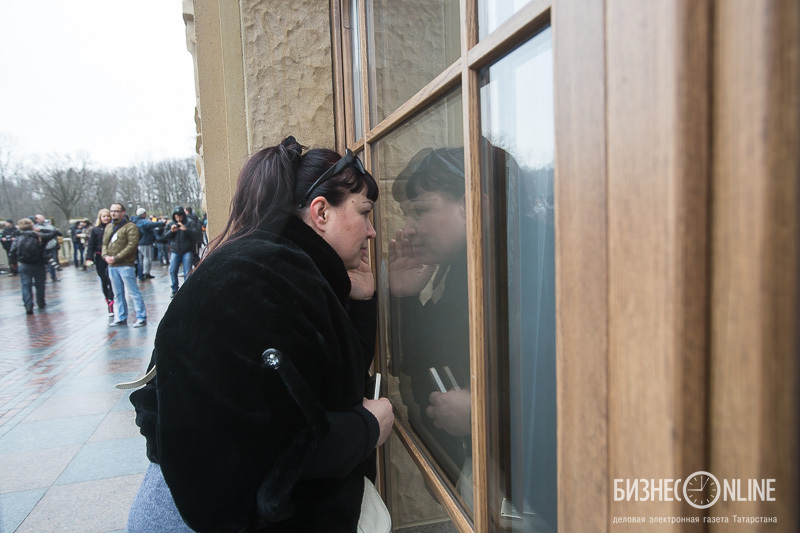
(120, 246)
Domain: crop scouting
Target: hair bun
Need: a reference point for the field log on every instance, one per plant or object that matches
(293, 148)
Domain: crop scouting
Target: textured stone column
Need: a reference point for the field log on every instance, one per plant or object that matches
(220, 84)
(288, 72)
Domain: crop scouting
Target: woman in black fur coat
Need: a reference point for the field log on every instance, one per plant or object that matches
(234, 444)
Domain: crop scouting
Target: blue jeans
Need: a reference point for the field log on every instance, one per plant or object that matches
(32, 275)
(77, 250)
(162, 253)
(122, 278)
(175, 259)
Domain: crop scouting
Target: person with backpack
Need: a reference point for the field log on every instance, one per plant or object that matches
(28, 252)
(51, 249)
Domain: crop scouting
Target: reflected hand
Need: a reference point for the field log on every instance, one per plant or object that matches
(382, 409)
(407, 274)
(451, 412)
(362, 282)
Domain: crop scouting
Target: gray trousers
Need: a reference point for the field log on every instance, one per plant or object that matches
(145, 259)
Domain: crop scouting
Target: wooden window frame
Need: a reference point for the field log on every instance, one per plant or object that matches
(463, 72)
(629, 171)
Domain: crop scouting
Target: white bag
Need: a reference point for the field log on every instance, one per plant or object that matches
(375, 516)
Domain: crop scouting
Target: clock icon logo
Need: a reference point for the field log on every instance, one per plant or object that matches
(701, 489)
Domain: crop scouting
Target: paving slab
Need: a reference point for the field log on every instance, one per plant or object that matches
(71, 456)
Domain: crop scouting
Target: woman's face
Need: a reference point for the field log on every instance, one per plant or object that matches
(349, 228)
(441, 227)
(105, 218)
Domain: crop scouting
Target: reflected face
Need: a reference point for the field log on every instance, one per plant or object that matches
(350, 229)
(410, 225)
(441, 228)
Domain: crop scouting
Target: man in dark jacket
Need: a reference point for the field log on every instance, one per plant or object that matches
(28, 251)
(181, 234)
(10, 232)
(147, 237)
(77, 234)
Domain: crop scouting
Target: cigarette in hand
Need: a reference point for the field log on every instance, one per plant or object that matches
(377, 395)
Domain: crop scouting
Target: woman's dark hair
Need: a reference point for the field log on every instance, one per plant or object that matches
(432, 170)
(275, 179)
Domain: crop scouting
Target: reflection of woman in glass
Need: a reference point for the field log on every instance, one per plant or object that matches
(428, 272)
(428, 275)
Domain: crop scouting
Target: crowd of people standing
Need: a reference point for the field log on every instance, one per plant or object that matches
(121, 249)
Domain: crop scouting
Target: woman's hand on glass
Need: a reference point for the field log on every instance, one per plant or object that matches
(361, 280)
(382, 410)
(407, 274)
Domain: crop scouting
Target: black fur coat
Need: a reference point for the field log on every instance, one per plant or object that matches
(231, 441)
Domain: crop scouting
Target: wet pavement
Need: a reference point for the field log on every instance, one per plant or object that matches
(71, 456)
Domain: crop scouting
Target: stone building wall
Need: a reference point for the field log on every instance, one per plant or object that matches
(263, 70)
(288, 72)
(191, 46)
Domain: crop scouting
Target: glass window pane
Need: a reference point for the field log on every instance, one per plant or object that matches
(518, 158)
(492, 13)
(358, 100)
(423, 283)
(411, 503)
(411, 42)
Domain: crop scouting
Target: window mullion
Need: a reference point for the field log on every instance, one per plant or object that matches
(476, 290)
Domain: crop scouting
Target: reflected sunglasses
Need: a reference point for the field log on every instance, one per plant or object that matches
(349, 160)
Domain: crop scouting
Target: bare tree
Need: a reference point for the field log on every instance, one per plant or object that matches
(172, 182)
(10, 173)
(62, 182)
(101, 191)
(67, 187)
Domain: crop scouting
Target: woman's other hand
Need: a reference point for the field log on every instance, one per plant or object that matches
(407, 274)
(362, 281)
(451, 411)
(382, 410)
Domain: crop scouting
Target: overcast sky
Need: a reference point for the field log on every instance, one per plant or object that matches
(112, 79)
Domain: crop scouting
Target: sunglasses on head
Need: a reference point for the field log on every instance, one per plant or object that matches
(349, 160)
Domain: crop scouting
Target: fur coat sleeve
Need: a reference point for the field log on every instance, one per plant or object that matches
(230, 439)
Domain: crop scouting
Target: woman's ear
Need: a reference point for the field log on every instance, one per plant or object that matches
(318, 214)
